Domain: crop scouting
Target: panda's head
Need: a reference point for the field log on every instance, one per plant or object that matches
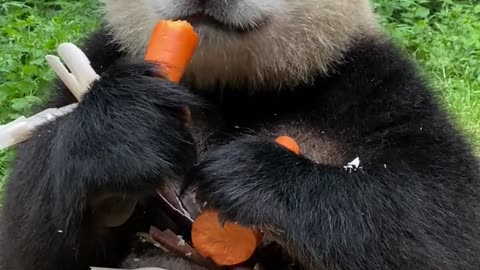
(254, 42)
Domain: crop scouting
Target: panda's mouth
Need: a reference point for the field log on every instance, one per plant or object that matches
(204, 19)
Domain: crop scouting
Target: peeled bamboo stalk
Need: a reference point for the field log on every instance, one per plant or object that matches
(78, 82)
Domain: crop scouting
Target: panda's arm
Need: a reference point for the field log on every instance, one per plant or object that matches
(335, 215)
(400, 210)
(118, 144)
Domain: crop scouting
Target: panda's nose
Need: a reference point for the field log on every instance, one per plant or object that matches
(202, 2)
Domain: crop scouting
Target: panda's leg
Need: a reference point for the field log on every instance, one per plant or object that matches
(123, 141)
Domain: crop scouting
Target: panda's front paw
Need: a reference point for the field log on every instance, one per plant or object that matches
(244, 180)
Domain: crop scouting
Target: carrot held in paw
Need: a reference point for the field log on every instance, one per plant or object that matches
(230, 244)
(172, 45)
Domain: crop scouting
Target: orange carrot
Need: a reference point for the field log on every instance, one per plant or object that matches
(226, 245)
(289, 143)
(232, 243)
(172, 45)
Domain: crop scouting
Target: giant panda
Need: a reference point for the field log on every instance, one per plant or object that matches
(319, 71)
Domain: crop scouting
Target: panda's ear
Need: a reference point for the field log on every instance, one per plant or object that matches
(112, 210)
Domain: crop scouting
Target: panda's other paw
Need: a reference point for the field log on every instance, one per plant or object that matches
(244, 180)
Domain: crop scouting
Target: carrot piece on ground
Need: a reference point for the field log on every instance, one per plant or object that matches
(289, 143)
(230, 244)
(172, 45)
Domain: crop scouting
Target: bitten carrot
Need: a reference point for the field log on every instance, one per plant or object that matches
(226, 245)
(172, 45)
(230, 244)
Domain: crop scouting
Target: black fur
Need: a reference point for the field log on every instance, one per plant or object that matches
(124, 138)
(413, 204)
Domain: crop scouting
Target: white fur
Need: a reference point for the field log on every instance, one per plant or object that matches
(300, 38)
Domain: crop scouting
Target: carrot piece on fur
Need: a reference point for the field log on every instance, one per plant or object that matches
(289, 143)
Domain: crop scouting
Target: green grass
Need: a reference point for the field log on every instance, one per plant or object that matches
(29, 30)
(443, 35)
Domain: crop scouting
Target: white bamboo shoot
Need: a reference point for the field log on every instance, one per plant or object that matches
(78, 82)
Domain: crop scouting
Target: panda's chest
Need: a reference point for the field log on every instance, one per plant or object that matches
(220, 123)
(318, 140)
